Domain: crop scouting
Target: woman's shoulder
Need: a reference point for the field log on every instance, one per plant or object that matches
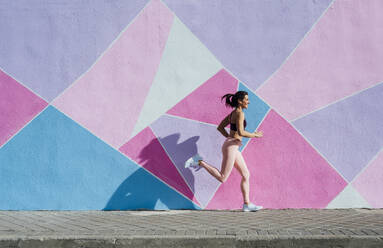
(238, 113)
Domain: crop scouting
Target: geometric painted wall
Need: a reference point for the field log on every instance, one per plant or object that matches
(100, 106)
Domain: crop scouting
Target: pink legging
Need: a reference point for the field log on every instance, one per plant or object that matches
(231, 157)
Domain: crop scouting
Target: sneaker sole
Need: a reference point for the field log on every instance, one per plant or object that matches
(248, 210)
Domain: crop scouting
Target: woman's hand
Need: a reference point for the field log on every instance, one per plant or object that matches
(258, 134)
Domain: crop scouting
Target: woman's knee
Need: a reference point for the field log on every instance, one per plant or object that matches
(246, 175)
(223, 178)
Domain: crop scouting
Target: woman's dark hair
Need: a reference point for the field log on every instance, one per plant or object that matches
(232, 100)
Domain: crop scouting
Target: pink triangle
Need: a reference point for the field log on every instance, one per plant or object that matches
(228, 195)
(18, 106)
(285, 172)
(204, 104)
(147, 151)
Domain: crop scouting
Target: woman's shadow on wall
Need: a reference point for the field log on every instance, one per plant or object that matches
(141, 191)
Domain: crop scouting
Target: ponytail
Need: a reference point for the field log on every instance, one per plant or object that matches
(228, 100)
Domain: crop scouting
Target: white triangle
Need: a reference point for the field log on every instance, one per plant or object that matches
(185, 64)
(349, 198)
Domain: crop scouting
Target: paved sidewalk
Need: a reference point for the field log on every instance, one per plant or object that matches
(190, 228)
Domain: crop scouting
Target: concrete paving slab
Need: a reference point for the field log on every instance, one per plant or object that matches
(193, 228)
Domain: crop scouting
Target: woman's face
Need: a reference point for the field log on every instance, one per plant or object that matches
(245, 102)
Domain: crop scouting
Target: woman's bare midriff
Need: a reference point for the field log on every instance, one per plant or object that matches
(234, 134)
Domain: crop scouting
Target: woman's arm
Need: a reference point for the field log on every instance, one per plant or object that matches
(223, 124)
(241, 129)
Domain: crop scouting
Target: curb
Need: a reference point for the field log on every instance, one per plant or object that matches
(187, 241)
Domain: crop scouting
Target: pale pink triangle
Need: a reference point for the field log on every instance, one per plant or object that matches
(108, 99)
(370, 182)
(342, 55)
(147, 151)
(204, 104)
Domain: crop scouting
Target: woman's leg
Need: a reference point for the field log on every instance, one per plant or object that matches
(229, 150)
(241, 166)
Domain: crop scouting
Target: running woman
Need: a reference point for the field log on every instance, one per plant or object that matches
(230, 148)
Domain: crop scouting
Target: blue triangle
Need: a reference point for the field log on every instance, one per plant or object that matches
(55, 164)
(254, 114)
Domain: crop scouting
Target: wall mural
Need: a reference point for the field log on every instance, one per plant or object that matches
(102, 105)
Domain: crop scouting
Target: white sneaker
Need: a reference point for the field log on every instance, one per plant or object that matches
(251, 207)
(193, 161)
